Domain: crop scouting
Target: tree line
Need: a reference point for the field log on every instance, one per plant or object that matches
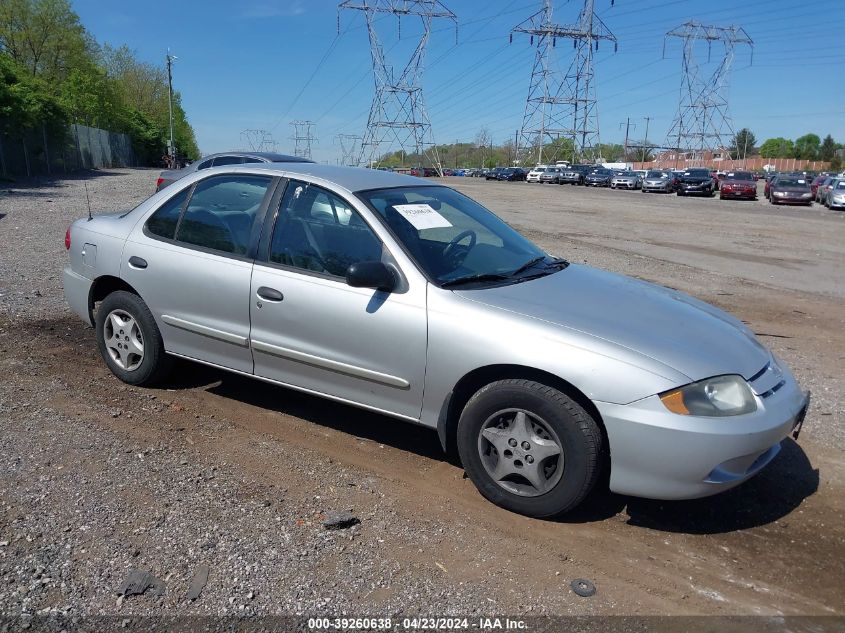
(54, 73)
(807, 147)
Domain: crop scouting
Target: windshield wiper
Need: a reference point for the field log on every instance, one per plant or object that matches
(459, 281)
(527, 265)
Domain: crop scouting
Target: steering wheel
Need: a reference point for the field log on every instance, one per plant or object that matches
(450, 251)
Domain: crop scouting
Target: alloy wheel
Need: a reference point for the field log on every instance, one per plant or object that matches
(123, 339)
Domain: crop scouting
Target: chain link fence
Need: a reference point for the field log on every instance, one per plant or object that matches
(42, 152)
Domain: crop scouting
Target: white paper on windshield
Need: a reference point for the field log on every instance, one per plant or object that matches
(422, 216)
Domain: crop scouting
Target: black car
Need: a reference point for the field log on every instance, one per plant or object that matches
(493, 174)
(696, 182)
(598, 178)
(512, 173)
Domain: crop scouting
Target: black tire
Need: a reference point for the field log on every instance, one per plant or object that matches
(155, 364)
(577, 431)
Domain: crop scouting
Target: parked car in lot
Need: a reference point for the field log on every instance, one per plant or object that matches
(834, 197)
(534, 174)
(738, 185)
(550, 176)
(598, 178)
(493, 174)
(823, 189)
(662, 181)
(169, 176)
(512, 174)
(696, 182)
(626, 180)
(787, 189)
(767, 187)
(814, 184)
(409, 299)
(573, 175)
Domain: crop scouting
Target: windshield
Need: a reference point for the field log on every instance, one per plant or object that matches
(697, 173)
(450, 236)
(840, 185)
(657, 174)
(739, 175)
(791, 182)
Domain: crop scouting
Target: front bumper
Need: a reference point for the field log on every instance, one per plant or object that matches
(738, 193)
(695, 189)
(661, 455)
(623, 185)
(784, 200)
(77, 291)
(532, 178)
(597, 183)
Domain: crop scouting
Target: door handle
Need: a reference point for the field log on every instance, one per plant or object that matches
(269, 294)
(137, 262)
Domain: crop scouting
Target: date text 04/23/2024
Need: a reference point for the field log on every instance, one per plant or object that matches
(417, 624)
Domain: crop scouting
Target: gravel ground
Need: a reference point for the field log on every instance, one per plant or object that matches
(216, 471)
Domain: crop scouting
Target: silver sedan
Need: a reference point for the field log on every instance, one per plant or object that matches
(407, 298)
(626, 180)
(663, 181)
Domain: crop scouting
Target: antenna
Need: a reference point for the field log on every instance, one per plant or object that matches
(89, 201)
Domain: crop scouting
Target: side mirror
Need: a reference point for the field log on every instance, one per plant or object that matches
(371, 275)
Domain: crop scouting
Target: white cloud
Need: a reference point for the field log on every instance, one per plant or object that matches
(279, 8)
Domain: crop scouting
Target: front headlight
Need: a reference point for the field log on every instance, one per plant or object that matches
(713, 397)
(806, 195)
(780, 194)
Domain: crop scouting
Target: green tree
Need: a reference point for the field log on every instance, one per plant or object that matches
(827, 148)
(743, 144)
(44, 37)
(807, 147)
(778, 147)
(25, 101)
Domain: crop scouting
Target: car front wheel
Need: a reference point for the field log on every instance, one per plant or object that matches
(129, 340)
(529, 448)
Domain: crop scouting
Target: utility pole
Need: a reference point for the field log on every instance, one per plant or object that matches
(172, 148)
(398, 112)
(562, 105)
(645, 140)
(302, 138)
(703, 123)
(627, 125)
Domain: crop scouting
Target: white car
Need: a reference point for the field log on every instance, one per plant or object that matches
(534, 174)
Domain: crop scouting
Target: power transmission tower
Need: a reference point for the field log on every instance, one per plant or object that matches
(703, 122)
(258, 141)
(562, 106)
(303, 136)
(398, 111)
(349, 146)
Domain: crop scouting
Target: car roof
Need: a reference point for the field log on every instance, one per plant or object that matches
(349, 178)
(271, 156)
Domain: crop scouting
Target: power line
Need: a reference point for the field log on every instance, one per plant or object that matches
(303, 136)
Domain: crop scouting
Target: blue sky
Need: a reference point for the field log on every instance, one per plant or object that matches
(263, 63)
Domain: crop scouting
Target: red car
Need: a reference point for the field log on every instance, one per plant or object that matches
(738, 184)
(814, 186)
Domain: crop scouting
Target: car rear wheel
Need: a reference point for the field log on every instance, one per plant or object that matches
(529, 448)
(129, 340)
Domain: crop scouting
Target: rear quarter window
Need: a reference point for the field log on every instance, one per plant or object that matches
(163, 222)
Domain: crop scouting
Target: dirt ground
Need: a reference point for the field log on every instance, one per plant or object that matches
(427, 540)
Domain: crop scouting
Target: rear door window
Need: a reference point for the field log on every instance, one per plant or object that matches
(163, 222)
(221, 213)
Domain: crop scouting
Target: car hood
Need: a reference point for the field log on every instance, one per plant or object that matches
(695, 179)
(679, 331)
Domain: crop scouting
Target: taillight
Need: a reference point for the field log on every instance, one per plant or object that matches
(67, 239)
(158, 182)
